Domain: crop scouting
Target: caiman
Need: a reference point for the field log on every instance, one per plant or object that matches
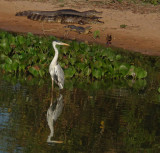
(79, 29)
(89, 13)
(64, 19)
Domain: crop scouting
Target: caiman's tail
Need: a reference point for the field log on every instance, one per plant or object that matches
(38, 17)
(35, 17)
(24, 13)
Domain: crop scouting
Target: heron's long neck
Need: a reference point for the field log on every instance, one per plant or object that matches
(54, 61)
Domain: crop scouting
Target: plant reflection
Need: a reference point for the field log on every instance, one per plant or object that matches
(54, 111)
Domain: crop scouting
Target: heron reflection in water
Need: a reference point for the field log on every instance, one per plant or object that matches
(55, 70)
(54, 111)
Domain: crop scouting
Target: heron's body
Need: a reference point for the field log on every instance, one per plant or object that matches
(55, 70)
(57, 74)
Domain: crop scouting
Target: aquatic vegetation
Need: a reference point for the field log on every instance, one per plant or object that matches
(32, 54)
(96, 34)
(154, 2)
(123, 26)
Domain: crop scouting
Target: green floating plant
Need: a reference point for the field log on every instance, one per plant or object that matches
(31, 55)
(96, 34)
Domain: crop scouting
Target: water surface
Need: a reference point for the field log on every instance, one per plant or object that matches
(102, 116)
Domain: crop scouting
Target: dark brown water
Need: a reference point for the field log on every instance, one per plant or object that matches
(100, 117)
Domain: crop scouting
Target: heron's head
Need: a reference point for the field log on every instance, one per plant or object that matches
(54, 43)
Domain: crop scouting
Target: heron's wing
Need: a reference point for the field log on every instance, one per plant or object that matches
(60, 75)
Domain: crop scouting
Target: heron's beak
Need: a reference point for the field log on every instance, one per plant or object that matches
(65, 44)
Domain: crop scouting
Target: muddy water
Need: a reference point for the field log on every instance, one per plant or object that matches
(102, 116)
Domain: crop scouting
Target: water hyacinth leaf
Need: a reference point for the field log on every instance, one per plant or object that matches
(98, 64)
(33, 71)
(3, 56)
(42, 57)
(15, 66)
(81, 66)
(3, 34)
(64, 50)
(118, 57)
(22, 67)
(131, 71)
(4, 43)
(139, 84)
(66, 61)
(16, 56)
(41, 72)
(16, 61)
(30, 35)
(104, 64)
(97, 73)
(60, 57)
(83, 46)
(104, 53)
(72, 61)
(98, 54)
(69, 73)
(140, 73)
(81, 58)
(91, 54)
(87, 48)
(110, 56)
(21, 40)
(8, 60)
(159, 89)
(31, 50)
(116, 66)
(87, 71)
(123, 69)
(76, 46)
(2, 66)
(110, 68)
(62, 64)
(12, 40)
(8, 67)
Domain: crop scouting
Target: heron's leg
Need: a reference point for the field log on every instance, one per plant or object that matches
(51, 98)
(52, 84)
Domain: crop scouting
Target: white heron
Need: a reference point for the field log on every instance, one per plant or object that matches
(55, 69)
